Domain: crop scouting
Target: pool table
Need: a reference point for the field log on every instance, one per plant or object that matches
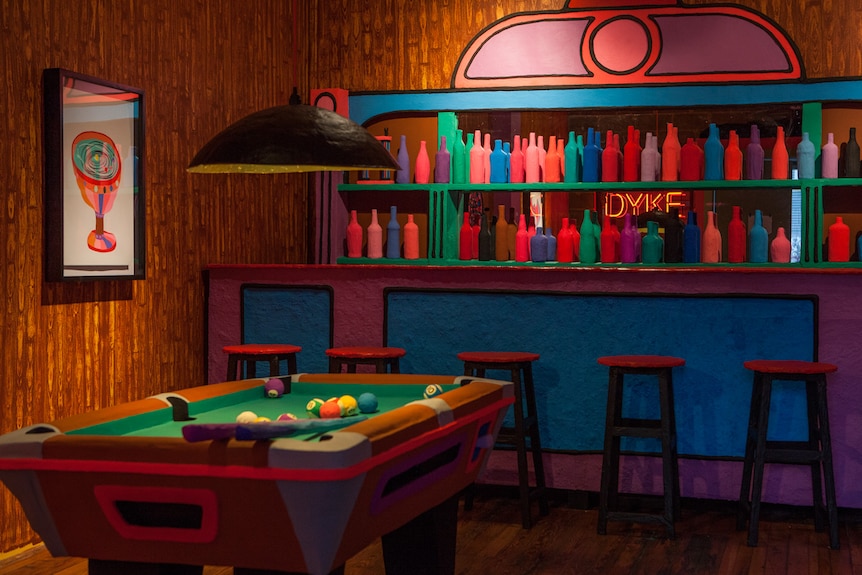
(123, 486)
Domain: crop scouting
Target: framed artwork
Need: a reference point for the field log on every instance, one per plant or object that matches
(94, 178)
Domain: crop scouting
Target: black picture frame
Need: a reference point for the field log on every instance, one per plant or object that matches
(94, 178)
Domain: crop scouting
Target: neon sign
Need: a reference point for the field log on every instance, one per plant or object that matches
(616, 205)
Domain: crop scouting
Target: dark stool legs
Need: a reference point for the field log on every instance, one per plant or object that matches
(524, 436)
(617, 427)
(816, 452)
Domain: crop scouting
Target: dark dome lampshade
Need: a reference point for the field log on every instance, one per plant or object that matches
(292, 138)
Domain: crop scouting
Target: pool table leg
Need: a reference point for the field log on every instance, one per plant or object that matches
(426, 544)
(100, 567)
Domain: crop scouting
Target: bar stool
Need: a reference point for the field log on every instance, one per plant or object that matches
(382, 358)
(524, 436)
(816, 452)
(617, 426)
(251, 353)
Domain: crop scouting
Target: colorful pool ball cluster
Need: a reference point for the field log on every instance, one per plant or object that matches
(343, 406)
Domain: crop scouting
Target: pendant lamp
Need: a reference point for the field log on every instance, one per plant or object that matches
(292, 138)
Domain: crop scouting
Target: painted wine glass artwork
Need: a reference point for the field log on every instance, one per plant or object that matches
(94, 186)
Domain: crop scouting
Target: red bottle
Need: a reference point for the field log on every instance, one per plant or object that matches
(465, 239)
(736, 238)
(576, 240)
(552, 162)
(780, 157)
(839, 241)
(354, 237)
(733, 158)
(691, 160)
(631, 157)
(522, 241)
(609, 243)
(610, 160)
(565, 251)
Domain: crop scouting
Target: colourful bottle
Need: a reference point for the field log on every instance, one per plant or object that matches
(522, 241)
(477, 160)
(354, 237)
(552, 245)
(422, 170)
(531, 161)
(484, 239)
(758, 240)
(780, 157)
(805, 157)
(465, 239)
(540, 143)
(511, 232)
(375, 237)
(592, 158)
(498, 164)
(516, 163)
(780, 248)
(402, 175)
(653, 245)
(631, 157)
(650, 161)
(610, 165)
(710, 252)
(608, 242)
(501, 250)
(670, 151)
(411, 239)
(851, 156)
(736, 238)
(829, 157)
(691, 160)
(673, 237)
(691, 240)
(565, 253)
(393, 235)
(442, 163)
(713, 150)
(587, 249)
(553, 171)
(576, 240)
(754, 156)
(572, 172)
(838, 242)
(460, 167)
(539, 246)
(733, 158)
(628, 253)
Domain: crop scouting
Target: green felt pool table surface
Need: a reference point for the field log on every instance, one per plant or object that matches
(225, 408)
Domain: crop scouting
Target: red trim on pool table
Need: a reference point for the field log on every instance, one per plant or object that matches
(241, 472)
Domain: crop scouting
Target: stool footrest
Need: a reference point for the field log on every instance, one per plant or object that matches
(791, 456)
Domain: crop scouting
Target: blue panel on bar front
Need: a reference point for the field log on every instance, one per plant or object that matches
(715, 334)
(293, 315)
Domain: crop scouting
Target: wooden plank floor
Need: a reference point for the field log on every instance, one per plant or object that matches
(491, 540)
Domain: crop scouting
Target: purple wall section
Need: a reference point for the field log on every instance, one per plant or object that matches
(358, 317)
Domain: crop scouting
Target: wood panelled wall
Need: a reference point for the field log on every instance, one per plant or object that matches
(67, 348)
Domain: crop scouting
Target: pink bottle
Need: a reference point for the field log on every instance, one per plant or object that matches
(670, 151)
(516, 162)
(531, 161)
(375, 237)
(422, 170)
(710, 245)
(829, 157)
(780, 248)
(477, 160)
(411, 239)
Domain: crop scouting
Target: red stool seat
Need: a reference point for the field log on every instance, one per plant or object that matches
(816, 451)
(617, 426)
(251, 353)
(524, 435)
(380, 357)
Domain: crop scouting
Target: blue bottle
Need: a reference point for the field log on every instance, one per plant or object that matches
(402, 176)
(691, 240)
(592, 159)
(713, 156)
(498, 164)
(507, 149)
(758, 240)
(539, 247)
(393, 235)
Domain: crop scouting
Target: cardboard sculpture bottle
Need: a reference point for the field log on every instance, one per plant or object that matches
(565, 253)
(411, 239)
(713, 156)
(829, 157)
(780, 157)
(758, 240)
(501, 249)
(691, 240)
(354, 237)
(733, 158)
(711, 242)
(736, 238)
(838, 242)
(375, 237)
(422, 170)
(780, 248)
(465, 239)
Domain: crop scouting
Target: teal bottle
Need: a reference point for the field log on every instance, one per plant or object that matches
(805, 157)
(469, 146)
(588, 245)
(758, 241)
(691, 240)
(573, 160)
(393, 235)
(652, 247)
(459, 159)
(713, 156)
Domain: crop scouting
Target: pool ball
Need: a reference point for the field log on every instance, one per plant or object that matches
(432, 391)
(313, 407)
(330, 410)
(261, 419)
(274, 388)
(367, 402)
(349, 405)
(287, 417)
(246, 417)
